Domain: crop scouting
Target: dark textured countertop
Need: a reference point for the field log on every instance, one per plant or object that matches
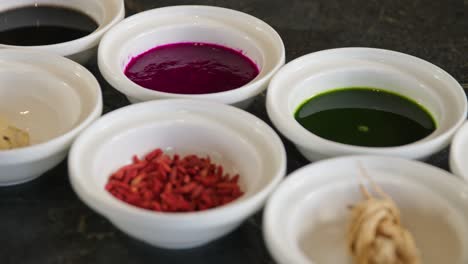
(44, 222)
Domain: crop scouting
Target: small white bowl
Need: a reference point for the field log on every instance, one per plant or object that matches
(305, 219)
(106, 13)
(315, 73)
(239, 141)
(458, 157)
(230, 28)
(51, 97)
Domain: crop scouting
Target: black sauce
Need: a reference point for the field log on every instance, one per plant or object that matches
(43, 25)
(365, 117)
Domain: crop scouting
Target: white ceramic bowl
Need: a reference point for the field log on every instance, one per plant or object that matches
(305, 219)
(51, 97)
(230, 28)
(458, 158)
(105, 12)
(403, 74)
(239, 141)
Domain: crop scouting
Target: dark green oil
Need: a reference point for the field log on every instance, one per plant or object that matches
(367, 117)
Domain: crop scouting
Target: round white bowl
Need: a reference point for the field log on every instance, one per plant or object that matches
(458, 157)
(312, 74)
(239, 141)
(106, 13)
(51, 97)
(230, 28)
(305, 219)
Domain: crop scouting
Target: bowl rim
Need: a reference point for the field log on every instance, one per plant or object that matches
(283, 122)
(127, 211)
(455, 159)
(121, 82)
(275, 242)
(33, 152)
(91, 37)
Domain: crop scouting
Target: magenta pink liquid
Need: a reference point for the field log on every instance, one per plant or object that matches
(191, 68)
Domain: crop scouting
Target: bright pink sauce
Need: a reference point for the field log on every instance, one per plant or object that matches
(191, 68)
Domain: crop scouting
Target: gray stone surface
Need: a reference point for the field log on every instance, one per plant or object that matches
(44, 222)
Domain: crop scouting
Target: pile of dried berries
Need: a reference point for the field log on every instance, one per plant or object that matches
(161, 183)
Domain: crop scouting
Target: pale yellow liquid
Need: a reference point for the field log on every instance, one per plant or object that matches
(40, 120)
(437, 240)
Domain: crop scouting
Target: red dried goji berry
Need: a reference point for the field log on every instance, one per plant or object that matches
(154, 154)
(157, 182)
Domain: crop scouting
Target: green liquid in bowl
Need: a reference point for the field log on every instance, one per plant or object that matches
(366, 117)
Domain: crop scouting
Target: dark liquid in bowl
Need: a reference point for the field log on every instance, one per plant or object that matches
(365, 117)
(191, 68)
(43, 25)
